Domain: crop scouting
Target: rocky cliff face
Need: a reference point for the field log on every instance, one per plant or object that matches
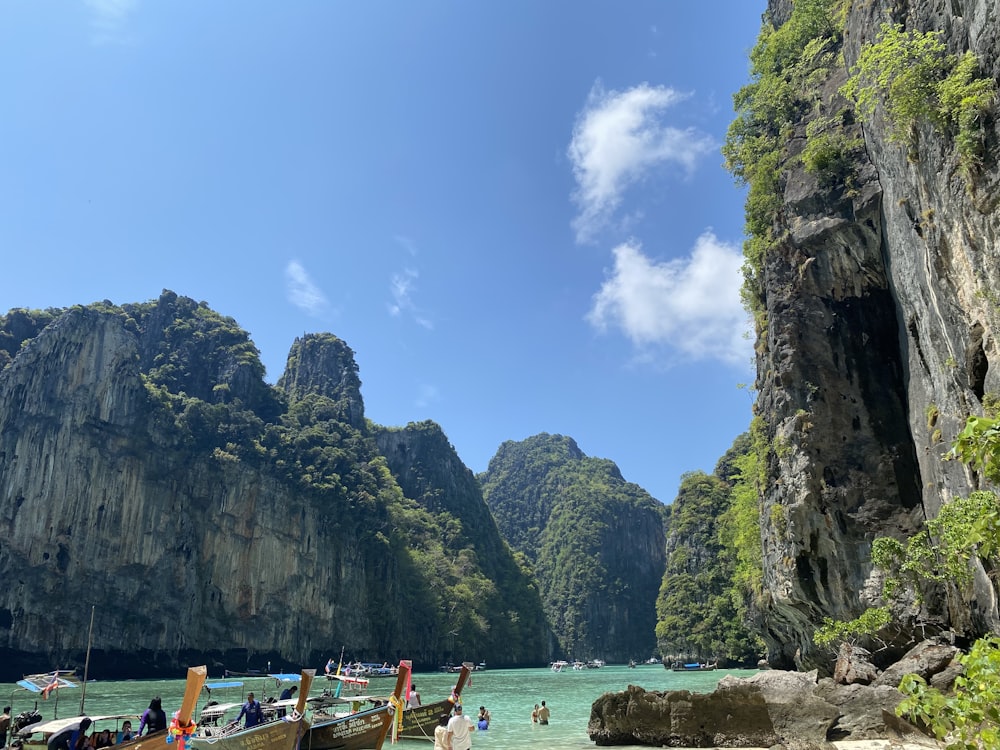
(880, 338)
(148, 474)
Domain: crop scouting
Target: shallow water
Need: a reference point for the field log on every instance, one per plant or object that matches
(509, 694)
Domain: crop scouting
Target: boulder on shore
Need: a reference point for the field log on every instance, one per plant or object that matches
(771, 707)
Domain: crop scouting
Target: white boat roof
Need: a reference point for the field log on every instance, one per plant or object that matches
(57, 725)
(329, 700)
(348, 678)
(218, 709)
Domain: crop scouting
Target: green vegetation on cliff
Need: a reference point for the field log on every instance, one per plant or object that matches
(964, 536)
(485, 591)
(713, 569)
(911, 74)
(786, 65)
(594, 540)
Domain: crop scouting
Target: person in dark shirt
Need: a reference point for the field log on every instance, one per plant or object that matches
(251, 709)
(153, 718)
(286, 695)
(79, 740)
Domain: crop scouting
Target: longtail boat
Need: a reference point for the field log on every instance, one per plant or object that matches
(180, 725)
(57, 733)
(693, 667)
(356, 729)
(419, 721)
(282, 733)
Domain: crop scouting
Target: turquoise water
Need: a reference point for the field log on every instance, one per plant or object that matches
(509, 694)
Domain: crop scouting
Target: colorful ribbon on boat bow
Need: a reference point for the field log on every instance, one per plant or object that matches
(176, 731)
(397, 706)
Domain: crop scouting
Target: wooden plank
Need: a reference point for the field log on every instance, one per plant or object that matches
(195, 679)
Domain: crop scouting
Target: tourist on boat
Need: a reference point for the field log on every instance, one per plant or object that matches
(460, 729)
(251, 709)
(329, 666)
(413, 699)
(79, 740)
(286, 695)
(103, 739)
(442, 740)
(153, 718)
(126, 733)
(543, 714)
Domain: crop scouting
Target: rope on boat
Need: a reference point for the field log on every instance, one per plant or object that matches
(396, 711)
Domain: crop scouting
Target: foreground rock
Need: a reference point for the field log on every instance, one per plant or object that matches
(772, 707)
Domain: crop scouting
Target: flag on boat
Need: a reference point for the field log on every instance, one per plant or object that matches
(53, 685)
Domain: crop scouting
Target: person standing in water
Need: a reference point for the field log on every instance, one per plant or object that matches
(460, 729)
(442, 740)
(543, 714)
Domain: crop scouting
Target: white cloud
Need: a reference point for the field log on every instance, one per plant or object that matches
(302, 292)
(427, 395)
(109, 18)
(691, 305)
(617, 140)
(401, 287)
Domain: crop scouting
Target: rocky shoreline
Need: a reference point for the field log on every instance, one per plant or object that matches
(797, 710)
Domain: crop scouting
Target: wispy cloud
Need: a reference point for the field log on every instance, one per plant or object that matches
(427, 395)
(401, 287)
(690, 305)
(409, 245)
(618, 138)
(109, 19)
(302, 292)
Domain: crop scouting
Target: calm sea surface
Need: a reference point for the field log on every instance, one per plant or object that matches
(509, 694)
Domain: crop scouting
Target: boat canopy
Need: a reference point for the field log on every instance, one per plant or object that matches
(222, 685)
(48, 728)
(37, 683)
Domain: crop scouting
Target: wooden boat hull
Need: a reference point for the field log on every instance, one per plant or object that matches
(419, 722)
(364, 730)
(283, 734)
(709, 668)
(154, 741)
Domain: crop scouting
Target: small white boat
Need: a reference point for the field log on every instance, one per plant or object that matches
(559, 666)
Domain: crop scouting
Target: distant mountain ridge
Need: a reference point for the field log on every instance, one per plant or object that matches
(595, 540)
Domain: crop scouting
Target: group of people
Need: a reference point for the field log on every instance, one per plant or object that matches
(78, 739)
(455, 732)
(540, 714)
(153, 719)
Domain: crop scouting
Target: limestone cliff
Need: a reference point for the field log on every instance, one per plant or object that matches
(877, 336)
(148, 474)
(596, 543)
(429, 471)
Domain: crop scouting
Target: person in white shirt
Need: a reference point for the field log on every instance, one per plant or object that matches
(460, 729)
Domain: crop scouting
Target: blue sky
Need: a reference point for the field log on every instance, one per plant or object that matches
(515, 213)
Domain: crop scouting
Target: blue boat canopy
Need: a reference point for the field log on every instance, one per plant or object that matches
(36, 683)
